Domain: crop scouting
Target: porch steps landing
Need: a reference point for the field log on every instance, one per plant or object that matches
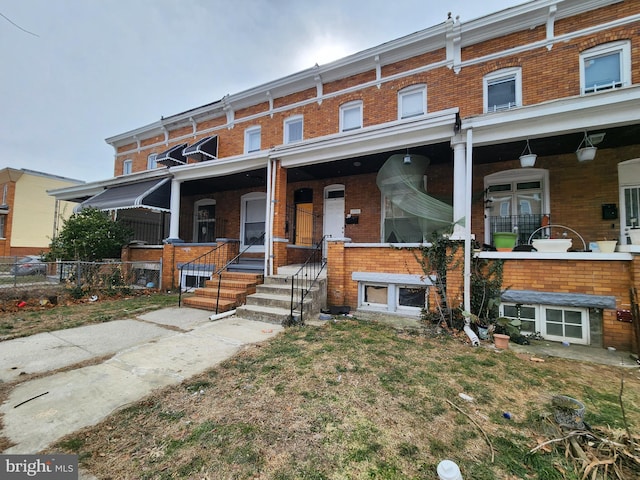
(234, 288)
(272, 301)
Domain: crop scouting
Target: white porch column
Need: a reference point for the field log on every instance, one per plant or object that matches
(459, 190)
(174, 221)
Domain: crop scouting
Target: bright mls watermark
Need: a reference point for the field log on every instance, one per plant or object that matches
(50, 467)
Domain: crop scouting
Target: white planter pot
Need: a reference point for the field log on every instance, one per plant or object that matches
(607, 246)
(552, 244)
(586, 154)
(528, 160)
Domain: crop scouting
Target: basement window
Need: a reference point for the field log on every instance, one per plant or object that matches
(392, 293)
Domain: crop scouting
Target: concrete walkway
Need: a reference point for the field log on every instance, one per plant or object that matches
(152, 351)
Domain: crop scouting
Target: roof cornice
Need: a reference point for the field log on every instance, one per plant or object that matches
(527, 15)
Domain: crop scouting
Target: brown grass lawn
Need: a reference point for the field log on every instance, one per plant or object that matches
(358, 400)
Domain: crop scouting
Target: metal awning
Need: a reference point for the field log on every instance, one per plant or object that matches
(204, 149)
(152, 194)
(173, 156)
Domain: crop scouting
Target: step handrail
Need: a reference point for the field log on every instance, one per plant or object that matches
(235, 259)
(202, 263)
(304, 279)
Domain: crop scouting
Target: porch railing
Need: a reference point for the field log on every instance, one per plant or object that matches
(303, 280)
(302, 226)
(203, 267)
(523, 225)
(256, 241)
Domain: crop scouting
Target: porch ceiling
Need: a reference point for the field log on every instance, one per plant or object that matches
(237, 181)
(442, 153)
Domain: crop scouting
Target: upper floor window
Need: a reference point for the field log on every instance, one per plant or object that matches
(252, 139)
(127, 167)
(412, 101)
(151, 161)
(293, 129)
(5, 189)
(2, 222)
(502, 89)
(351, 116)
(605, 67)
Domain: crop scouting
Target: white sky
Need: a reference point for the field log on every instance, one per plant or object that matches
(98, 68)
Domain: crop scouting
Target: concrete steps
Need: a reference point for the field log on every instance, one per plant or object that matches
(272, 301)
(233, 287)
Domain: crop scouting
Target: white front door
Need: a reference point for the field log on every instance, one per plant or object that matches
(252, 225)
(333, 220)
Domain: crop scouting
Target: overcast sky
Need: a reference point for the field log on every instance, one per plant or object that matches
(75, 72)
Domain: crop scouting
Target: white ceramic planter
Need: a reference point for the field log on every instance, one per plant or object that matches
(552, 244)
(607, 246)
(586, 154)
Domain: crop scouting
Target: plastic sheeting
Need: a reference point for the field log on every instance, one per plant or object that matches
(414, 211)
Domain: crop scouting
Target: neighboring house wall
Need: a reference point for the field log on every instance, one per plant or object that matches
(33, 218)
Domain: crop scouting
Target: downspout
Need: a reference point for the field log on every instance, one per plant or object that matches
(268, 242)
(467, 240)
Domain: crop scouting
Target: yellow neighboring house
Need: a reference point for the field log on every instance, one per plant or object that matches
(29, 216)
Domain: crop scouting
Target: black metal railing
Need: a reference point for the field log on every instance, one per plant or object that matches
(303, 228)
(303, 281)
(197, 271)
(235, 260)
(523, 225)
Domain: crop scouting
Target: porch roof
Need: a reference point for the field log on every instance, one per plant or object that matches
(152, 194)
(204, 149)
(172, 156)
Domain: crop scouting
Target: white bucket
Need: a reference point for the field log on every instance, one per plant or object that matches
(448, 470)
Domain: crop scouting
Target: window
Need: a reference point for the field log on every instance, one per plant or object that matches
(399, 226)
(204, 223)
(502, 90)
(151, 161)
(412, 101)
(252, 140)
(5, 191)
(553, 322)
(127, 167)
(350, 116)
(3, 219)
(605, 67)
(293, 129)
(392, 297)
(253, 215)
(516, 201)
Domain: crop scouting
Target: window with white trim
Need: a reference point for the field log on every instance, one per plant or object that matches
(151, 161)
(252, 139)
(127, 167)
(412, 101)
(351, 116)
(293, 129)
(5, 191)
(552, 322)
(502, 89)
(516, 200)
(3, 219)
(605, 67)
(395, 298)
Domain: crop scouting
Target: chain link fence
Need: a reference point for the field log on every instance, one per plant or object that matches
(29, 276)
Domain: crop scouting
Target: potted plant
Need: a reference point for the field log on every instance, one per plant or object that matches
(607, 246)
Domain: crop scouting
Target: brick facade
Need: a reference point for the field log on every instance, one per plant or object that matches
(550, 72)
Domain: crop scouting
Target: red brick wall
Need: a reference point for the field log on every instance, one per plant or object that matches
(611, 278)
(547, 74)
